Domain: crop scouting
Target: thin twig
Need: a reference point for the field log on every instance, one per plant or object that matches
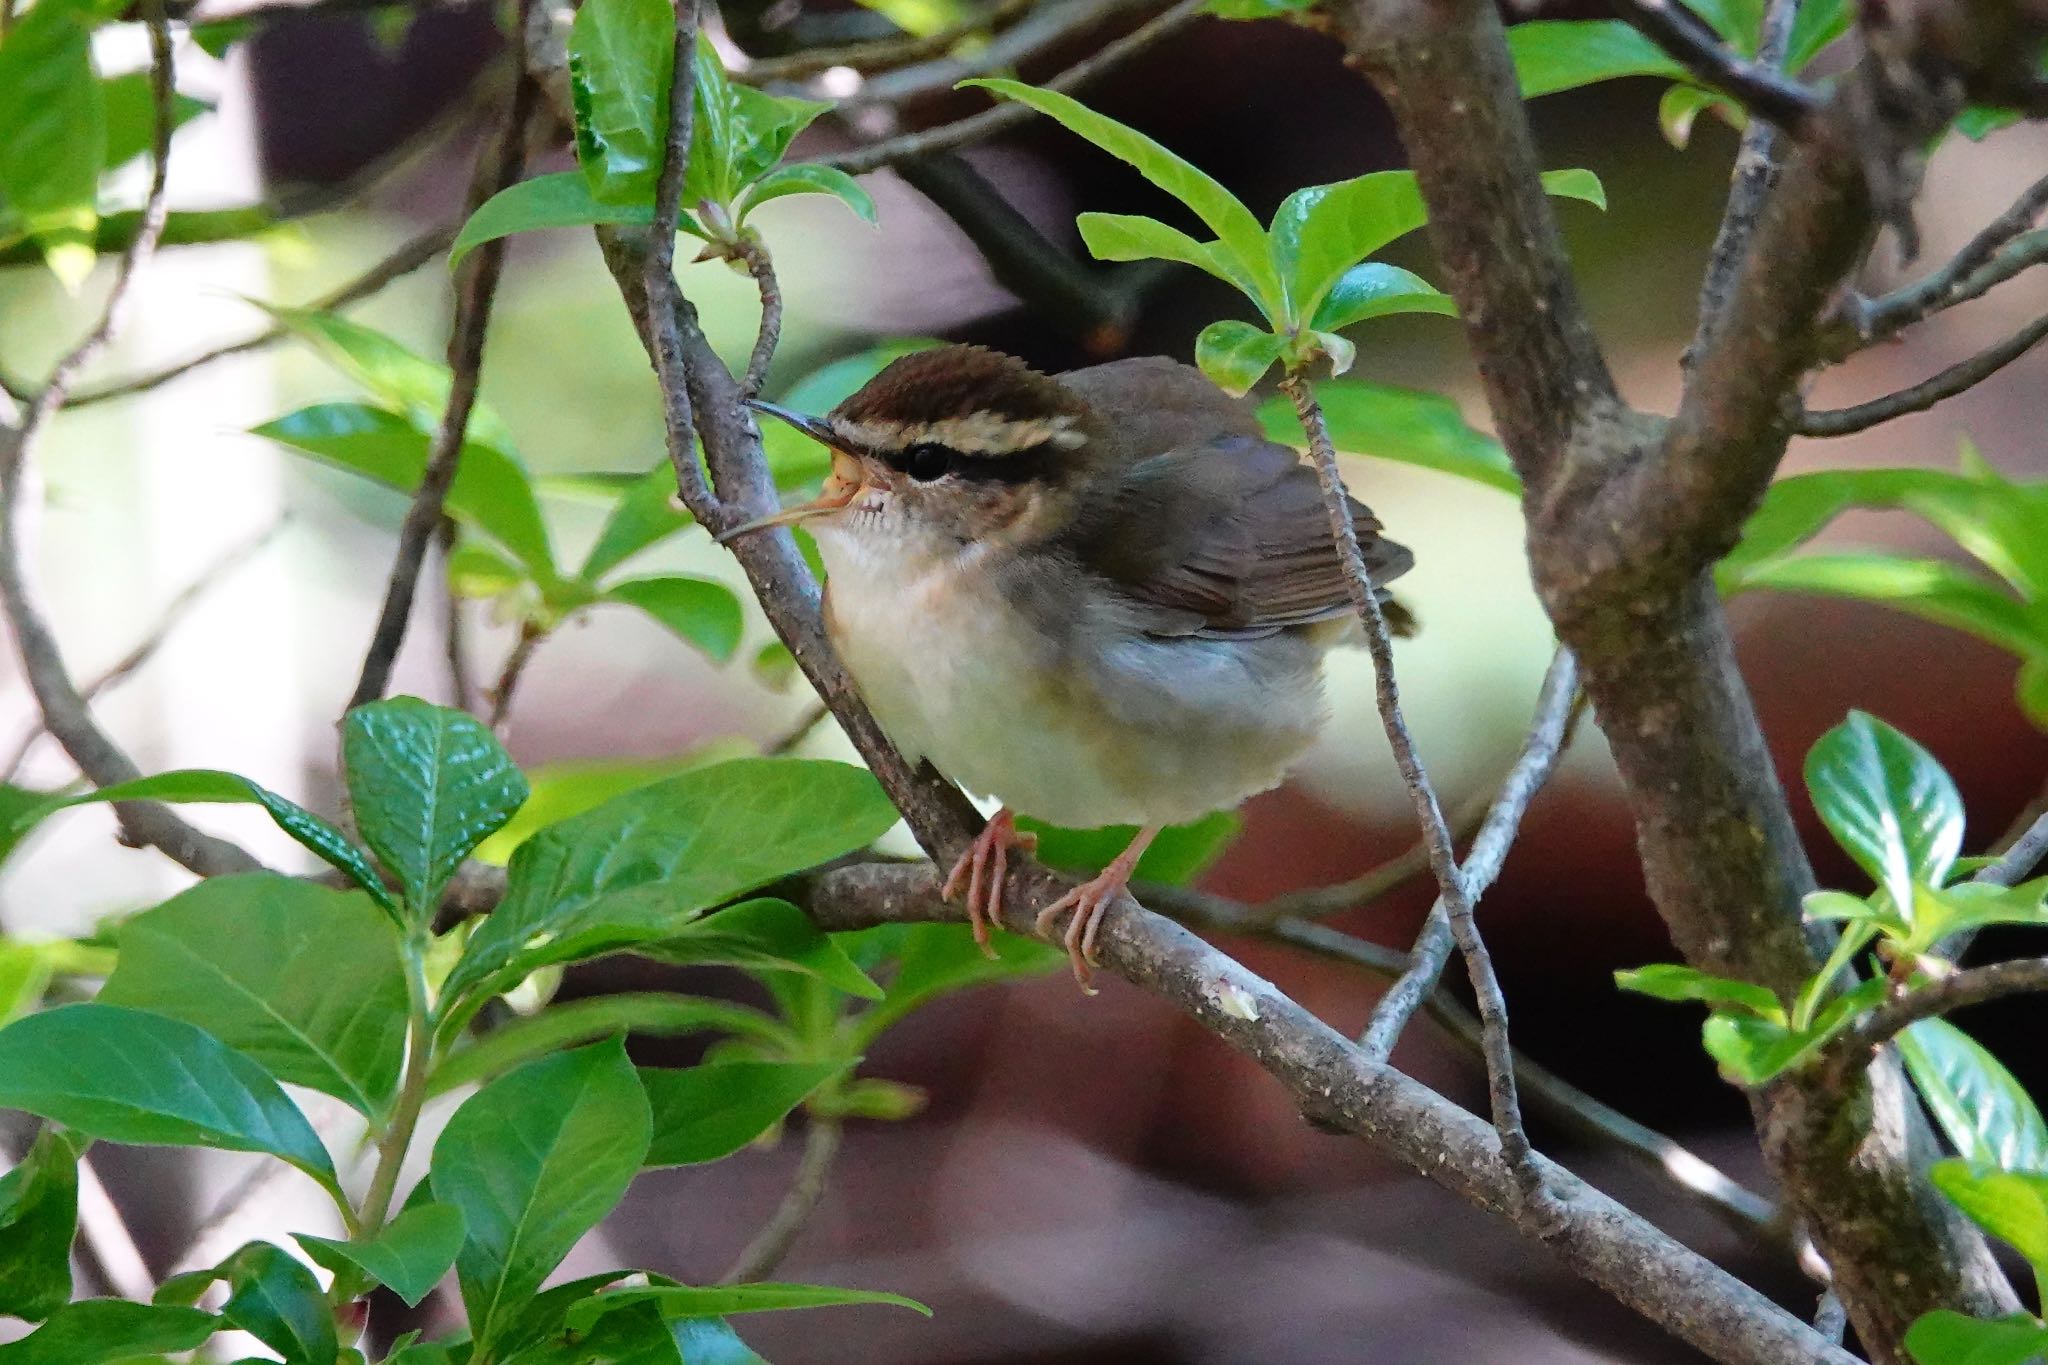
(658, 276)
(454, 623)
(753, 252)
(1507, 1117)
(1956, 379)
(881, 53)
(768, 1246)
(1760, 87)
(1044, 28)
(814, 715)
(476, 286)
(407, 258)
(1009, 113)
(1556, 704)
(509, 676)
(1851, 1050)
(1756, 170)
(2028, 850)
(168, 620)
(64, 711)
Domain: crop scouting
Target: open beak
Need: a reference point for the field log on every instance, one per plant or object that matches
(847, 481)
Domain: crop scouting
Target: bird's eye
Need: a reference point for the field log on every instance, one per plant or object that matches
(926, 461)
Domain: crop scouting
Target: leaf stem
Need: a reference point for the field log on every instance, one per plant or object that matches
(396, 1138)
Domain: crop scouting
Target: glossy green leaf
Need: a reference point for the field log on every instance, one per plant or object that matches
(1753, 1050)
(1987, 1114)
(724, 1300)
(1576, 183)
(1890, 805)
(1681, 107)
(739, 133)
(621, 65)
(560, 200)
(1130, 237)
(938, 959)
(1321, 231)
(698, 611)
(305, 981)
(274, 1298)
(574, 786)
(1838, 907)
(708, 1112)
(1227, 217)
(491, 492)
(654, 1013)
(411, 1255)
(427, 784)
(38, 1216)
(1236, 355)
(131, 116)
(642, 865)
(1404, 425)
(1795, 509)
(1929, 588)
(54, 112)
(2010, 1205)
(99, 1331)
(764, 935)
(1374, 290)
(809, 178)
(1944, 912)
(128, 1076)
(533, 1161)
(1946, 1337)
(399, 377)
(1671, 981)
(1564, 54)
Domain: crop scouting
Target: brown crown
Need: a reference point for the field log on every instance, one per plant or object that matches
(954, 382)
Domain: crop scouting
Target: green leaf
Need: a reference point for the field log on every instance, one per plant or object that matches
(397, 376)
(1670, 981)
(1753, 1050)
(1980, 121)
(2010, 1205)
(491, 492)
(1236, 355)
(764, 935)
(1374, 290)
(2030, 689)
(1321, 231)
(427, 784)
(1177, 856)
(1576, 183)
(409, 1257)
(131, 116)
(706, 1113)
(1942, 912)
(1227, 217)
(642, 865)
(475, 570)
(1818, 23)
(1795, 509)
(274, 1298)
(208, 786)
(1554, 55)
(574, 786)
(1681, 107)
(96, 1331)
(124, 1075)
(684, 1301)
(1987, 1114)
(533, 1161)
(654, 1013)
(53, 108)
(38, 1216)
(700, 612)
(762, 127)
(938, 959)
(646, 512)
(1930, 588)
(305, 981)
(807, 178)
(1129, 237)
(1890, 805)
(1946, 1337)
(1403, 425)
(561, 200)
(621, 67)
(636, 1335)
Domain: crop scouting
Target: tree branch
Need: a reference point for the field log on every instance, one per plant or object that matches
(1846, 1054)
(64, 711)
(1758, 85)
(768, 1246)
(1039, 31)
(1331, 1079)
(1956, 379)
(881, 53)
(476, 285)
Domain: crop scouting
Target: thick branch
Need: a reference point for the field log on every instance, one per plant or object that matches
(1332, 1080)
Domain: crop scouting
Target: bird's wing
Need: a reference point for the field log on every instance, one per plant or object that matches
(1225, 539)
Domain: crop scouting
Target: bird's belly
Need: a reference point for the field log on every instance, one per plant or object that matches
(1183, 728)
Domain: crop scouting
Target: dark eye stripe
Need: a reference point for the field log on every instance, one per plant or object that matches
(1022, 466)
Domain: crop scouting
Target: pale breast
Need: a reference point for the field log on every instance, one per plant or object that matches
(1083, 724)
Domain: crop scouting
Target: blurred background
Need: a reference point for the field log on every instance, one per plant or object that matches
(1091, 1179)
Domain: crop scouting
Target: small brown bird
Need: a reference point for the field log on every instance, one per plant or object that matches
(1102, 598)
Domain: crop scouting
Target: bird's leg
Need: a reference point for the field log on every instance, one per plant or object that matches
(1090, 900)
(983, 868)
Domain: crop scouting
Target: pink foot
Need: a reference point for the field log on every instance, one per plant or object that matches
(1090, 902)
(982, 869)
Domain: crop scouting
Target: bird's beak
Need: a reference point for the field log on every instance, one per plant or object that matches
(847, 481)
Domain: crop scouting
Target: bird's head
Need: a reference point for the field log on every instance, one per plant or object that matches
(954, 445)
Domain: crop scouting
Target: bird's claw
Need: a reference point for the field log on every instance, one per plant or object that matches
(982, 869)
(1090, 902)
